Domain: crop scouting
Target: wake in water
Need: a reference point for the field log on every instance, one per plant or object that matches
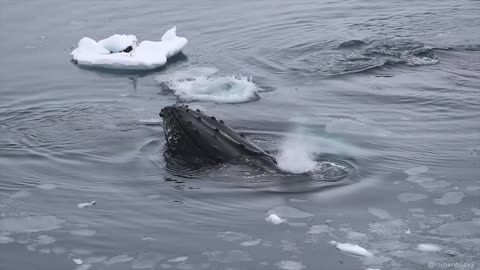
(199, 84)
(355, 56)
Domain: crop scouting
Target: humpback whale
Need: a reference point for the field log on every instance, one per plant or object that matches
(196, 137)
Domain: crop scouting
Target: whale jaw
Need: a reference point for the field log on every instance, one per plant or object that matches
(197, 137)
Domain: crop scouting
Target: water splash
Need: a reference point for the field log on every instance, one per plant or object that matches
(296, 155)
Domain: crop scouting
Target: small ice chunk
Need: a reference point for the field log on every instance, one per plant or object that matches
(459, 228)
(118, 259)
(84, 267)
(46, 186)
(251, 243)
(83, 232)
(44, 251)
(352, 249)
(290, 265)
(274, 219)
(96, 259)
(59, 250)
(420, 179)
(316, 229)
(45, 239)
(453, 197)
(416, 170)
(146, 260)
(6, 239)
(411, 197)
(379, 213)
(233, 236)
(20, 194)
(231, 256)
(435, 184)
(86, 204)
(473, 188)
(78, 261)
(178, 259)
(289, 212)
(428, 247)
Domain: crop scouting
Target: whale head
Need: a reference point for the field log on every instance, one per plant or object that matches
(195, 136)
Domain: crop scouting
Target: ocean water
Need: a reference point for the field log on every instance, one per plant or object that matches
(382, 96)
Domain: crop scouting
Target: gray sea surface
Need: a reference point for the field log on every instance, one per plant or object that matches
(386, 90)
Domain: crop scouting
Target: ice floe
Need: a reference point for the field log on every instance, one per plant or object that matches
(453, 197)
(379, 213)
(317, 229)
(233, 236)
(465, 228)
(251, 243)
(416, 170)
(20, 194)
(83, 232)
(352, 249)
(178, 259)
(86, 204)
(30, 224)
(107, 53)
(123, 258)
(231, 256)
(411, 197)
(290, 265)
(428, 247)
(6, 239)
(146, 260)
(45, 239)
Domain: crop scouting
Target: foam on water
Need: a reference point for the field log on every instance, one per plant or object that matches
(226, 89)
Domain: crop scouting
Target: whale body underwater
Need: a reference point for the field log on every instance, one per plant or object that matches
(198, 138)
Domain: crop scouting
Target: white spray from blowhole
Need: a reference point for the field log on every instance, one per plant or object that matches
(297, 152)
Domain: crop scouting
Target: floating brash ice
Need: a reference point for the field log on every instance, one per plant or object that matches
(122, 52)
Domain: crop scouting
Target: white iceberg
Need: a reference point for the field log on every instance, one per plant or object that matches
(109, 52)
